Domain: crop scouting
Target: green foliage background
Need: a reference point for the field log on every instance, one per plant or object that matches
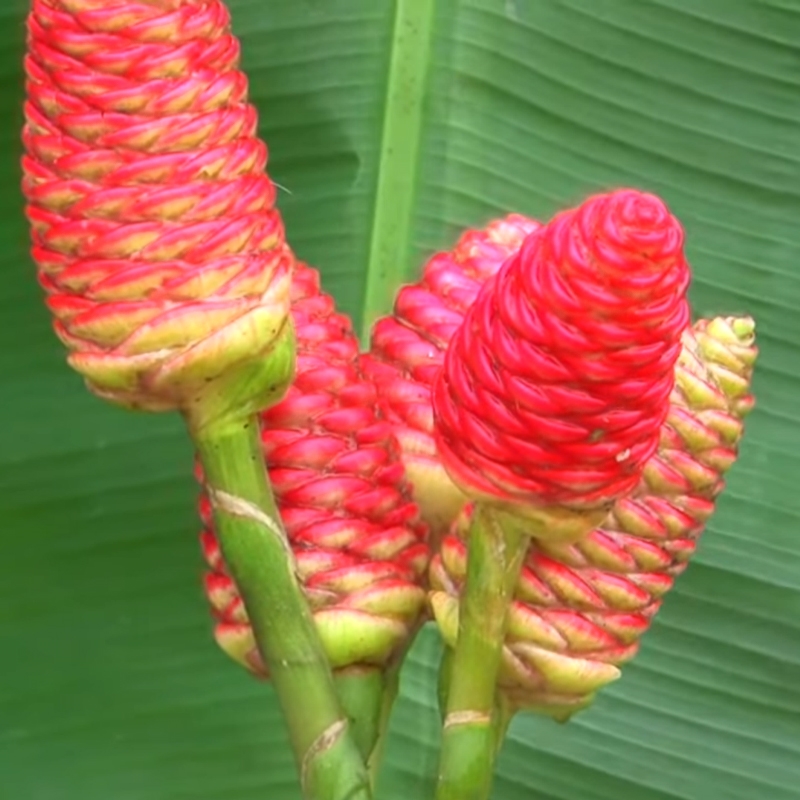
(109, 684)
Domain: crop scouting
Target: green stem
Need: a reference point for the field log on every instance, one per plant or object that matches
(367, 695)
(472, 720)
(258, 555)
(361, 691)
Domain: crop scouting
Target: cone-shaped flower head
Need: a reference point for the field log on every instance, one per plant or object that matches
(408, 348)
(152, 215)
(580, 609)
(554, 389)
(340, 486)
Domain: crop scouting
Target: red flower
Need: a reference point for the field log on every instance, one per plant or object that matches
(580, 609)
(341, 491)
(555, 387)
(408, 349)
(153, 219)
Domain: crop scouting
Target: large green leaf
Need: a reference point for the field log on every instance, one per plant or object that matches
(109, 685)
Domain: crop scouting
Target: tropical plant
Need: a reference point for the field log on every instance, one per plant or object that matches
(469, 110)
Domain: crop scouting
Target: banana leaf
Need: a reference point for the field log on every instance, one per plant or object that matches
(392, 125)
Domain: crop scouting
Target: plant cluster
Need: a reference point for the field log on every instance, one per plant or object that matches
(526, 454)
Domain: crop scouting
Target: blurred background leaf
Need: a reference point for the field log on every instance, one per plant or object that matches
(110, 686)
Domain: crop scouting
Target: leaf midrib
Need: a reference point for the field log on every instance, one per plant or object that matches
(397, 173)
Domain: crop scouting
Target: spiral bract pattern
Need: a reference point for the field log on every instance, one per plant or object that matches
(581, 608)
(153, 220)
(555, 387)
(358, 541)
(407, 350)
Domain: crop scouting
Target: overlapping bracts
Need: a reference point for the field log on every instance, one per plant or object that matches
(153, 219)
(580, 609)
(407, 350)
(340, 486)
(555, 387)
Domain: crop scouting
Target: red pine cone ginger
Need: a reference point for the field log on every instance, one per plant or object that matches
(340, 487)
(408, 349)
(152, 215)
(580, 609)
(554, 388)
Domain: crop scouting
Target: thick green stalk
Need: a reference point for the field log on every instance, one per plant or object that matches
(472, 720)
(367, 695)
(361, 691)
(260, 559)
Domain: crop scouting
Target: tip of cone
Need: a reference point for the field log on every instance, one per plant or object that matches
(729, 330)
(744, 328)
(636, 208)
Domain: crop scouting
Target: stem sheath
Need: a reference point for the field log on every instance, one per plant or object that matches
(472, 723)
(260, 559)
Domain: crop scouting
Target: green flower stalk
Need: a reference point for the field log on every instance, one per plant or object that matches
(358, 543)
(166, 270)
(548, 405)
